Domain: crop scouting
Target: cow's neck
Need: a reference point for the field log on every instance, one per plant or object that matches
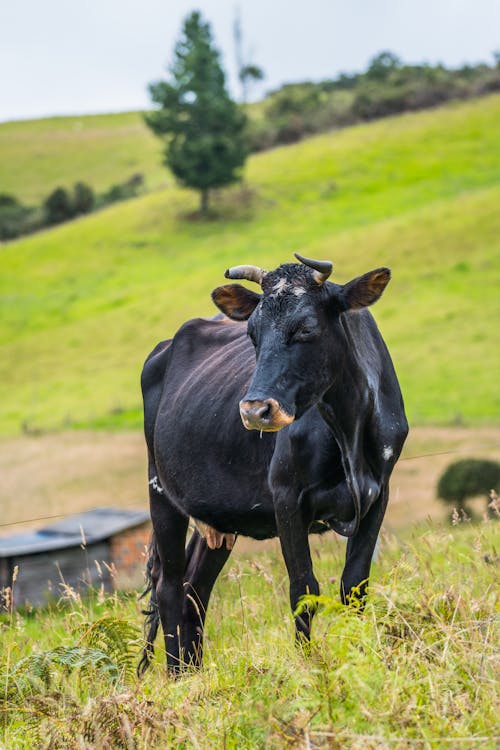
(347, 408)
(347, 405)
(350, 380)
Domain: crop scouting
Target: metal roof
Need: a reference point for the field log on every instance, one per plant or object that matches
(89, 527)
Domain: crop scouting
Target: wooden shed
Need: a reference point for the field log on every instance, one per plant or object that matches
(80, 551)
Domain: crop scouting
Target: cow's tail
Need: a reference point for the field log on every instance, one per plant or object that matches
(152, 613)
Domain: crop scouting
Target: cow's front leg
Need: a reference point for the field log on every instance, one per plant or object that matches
(359, 553)
(294, 539)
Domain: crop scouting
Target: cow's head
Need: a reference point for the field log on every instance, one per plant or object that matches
(295, 326)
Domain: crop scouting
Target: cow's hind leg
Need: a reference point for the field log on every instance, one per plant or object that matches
(152, 614)
(203, 566)
(170, 528)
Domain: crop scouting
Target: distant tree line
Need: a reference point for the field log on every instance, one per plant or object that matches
(17, 219)
(387, 87)
(207, 136)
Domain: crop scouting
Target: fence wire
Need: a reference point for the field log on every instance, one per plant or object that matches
(405, 458)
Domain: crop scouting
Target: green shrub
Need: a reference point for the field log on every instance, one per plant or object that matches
(58, 207)
(123, 190)
(8, 201)
(83, 199)
(468, 478)
(388, 87)
(15, 218)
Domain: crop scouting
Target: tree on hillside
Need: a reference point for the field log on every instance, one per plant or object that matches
(249, 74)
(206, 145)
(58, 206)
(382, 65)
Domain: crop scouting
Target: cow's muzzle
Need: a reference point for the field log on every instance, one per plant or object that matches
(267, 415)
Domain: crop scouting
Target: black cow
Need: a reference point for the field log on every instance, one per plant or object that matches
(311, 380)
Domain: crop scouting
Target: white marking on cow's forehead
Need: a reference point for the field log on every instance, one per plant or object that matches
(299, 291)
(387, 452)
(280, 286)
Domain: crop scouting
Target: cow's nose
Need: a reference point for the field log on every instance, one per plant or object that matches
(266, 415)
(256, 413)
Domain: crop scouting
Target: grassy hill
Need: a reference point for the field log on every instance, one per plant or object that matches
(84, 303)
(37, 156)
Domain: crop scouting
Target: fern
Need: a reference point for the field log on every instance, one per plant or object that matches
(322, 603)
(118, 638)
(68, 658)
(107, 647)
(329, 605)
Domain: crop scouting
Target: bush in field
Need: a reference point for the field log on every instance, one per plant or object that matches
(382, 65)
(15, 218)
(468, 478)
(123, 190)
(58, 207)
(61, 205)
(8, 201)
(83, 199)
(292, 111)
(115, 193)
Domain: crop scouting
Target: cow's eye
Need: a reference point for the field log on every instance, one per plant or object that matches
(305, 333)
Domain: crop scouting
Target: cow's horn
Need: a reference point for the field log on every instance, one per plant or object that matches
(322, 268)
(251, 273)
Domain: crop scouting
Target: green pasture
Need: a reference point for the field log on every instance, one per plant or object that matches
(37, 156)
(83, 304)
(416, 670)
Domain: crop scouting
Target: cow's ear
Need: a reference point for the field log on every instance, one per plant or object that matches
(365, 290)
(235, 301)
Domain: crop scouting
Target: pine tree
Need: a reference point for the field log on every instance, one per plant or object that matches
(205, 146)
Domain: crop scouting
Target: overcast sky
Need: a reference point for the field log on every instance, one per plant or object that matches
(74, 56)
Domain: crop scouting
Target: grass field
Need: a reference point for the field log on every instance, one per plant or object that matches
(37, 156)
(81, 305)
(417, 670)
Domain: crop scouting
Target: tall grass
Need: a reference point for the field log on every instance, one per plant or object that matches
(416, 670)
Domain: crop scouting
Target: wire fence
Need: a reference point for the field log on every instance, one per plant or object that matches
(451, 451)
(405, 458)
(44, 518)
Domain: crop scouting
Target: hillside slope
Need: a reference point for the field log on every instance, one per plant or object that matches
(83, 304)
(37, 156)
